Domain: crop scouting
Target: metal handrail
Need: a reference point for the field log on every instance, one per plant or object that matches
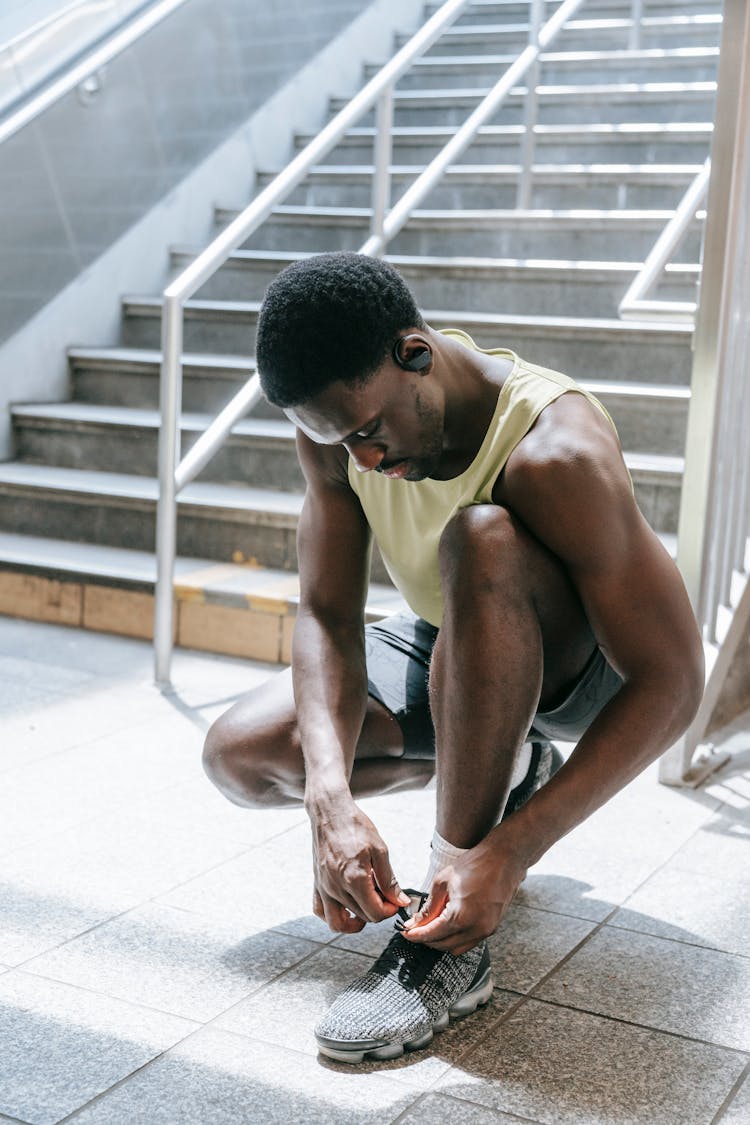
(114, 44)
(174, 473)
(633, 303)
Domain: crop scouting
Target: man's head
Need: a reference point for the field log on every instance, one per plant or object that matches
(327, 319)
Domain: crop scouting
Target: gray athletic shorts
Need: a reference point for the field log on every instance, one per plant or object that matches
(399, 649)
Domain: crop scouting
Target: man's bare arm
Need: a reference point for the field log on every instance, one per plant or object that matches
(353, 877)
(568, 483)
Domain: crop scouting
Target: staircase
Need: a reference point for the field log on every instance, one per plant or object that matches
(622, 132)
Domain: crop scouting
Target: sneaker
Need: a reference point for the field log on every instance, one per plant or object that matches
(410, 992)
(546, 760)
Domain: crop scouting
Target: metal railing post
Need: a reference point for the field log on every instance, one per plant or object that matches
(636, 16)
(531, 111)
(381, 181)
(170, 399)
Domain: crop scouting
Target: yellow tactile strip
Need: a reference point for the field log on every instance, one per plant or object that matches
(224, 608)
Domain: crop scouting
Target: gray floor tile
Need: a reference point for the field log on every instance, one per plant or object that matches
(34, 919)
(221, 1078)
(530, 943)
(267, 887)
(709, 910)
(597, 866)
(83, 782)
(699, 993)
(722, 845)
(563, 1067)
(527, 946)
(61, 1046)
(53, 677)
(59, 887)
(310, 988)
(738, 1110)
(196, 804)
(307, 990)
(180, 963)
(62, 723)
(440, 1108)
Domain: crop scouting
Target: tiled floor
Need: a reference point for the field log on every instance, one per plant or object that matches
(159, 964)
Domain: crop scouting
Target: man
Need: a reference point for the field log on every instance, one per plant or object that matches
(543, 606)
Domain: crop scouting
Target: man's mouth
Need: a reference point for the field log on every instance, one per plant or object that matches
(395, 471)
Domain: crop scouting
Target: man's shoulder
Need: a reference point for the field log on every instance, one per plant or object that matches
(569, 447)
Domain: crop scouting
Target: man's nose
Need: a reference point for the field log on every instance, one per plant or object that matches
(366, 457)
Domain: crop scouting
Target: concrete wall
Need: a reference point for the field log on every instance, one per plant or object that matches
(97, 192)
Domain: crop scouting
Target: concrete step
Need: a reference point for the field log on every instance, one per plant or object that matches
(518, 10)
(130, 377)
(80, 435)
(483, 284)
(241, 610)
(222, 521)
(510, 233)
(583, 347)
(685, 64)
(219, 520)
(626, 143)
(581, 34)
(480, 186)
(262, 451)
(571, 103)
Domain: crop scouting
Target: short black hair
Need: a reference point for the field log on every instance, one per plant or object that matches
(314, 308)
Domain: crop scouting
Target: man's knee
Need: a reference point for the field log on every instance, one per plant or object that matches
(483, 539)
(239, 759)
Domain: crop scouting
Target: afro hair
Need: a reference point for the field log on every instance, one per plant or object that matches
(327, 318)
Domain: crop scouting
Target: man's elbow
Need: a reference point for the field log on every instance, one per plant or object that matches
(691, 682)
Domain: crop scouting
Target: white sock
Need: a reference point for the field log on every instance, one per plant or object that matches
(521, 767)
(441, 854)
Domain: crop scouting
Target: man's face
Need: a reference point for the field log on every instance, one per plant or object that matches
(393, 423)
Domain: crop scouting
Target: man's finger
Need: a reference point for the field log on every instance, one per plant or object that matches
(386, 882)
(339, 918)
(432, 907)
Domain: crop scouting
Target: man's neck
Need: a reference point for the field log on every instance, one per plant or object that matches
(473, 382)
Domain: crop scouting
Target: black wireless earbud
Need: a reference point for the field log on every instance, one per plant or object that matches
(417, 362)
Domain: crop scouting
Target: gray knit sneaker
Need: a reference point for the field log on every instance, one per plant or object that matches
(546, 760)
(410, 992)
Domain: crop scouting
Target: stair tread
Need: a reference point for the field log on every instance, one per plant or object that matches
(152, 306)
(541, 173)
(564, 131)
(131, 487)
(242, 497)
(614, 55)
(462, 262)
(558, 91)
(104, 414)
(486, 215)
(614, 23)
(151, 356)
(91, 560)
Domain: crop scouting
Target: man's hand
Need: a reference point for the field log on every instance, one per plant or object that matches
(468, 898)
(354, 880)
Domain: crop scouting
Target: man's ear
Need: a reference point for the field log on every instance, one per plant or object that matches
(412, 353)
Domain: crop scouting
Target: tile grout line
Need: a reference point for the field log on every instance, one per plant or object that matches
(531, 995)
(461, 1102)
(731, 1096)
(163, 1011)
(745, 1052)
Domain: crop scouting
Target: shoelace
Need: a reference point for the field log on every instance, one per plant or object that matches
(418, 899)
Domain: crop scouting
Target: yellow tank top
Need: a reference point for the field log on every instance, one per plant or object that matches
(408, 517)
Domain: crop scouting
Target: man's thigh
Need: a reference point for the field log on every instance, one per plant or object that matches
(399, 650)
